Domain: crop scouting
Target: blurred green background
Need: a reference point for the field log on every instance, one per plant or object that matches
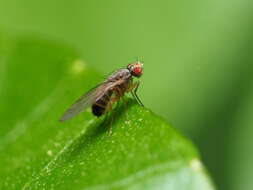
(198, 64)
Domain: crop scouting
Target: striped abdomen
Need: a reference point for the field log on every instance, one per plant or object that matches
(100, 106)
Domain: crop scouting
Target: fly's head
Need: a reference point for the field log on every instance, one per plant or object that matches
(136, 69)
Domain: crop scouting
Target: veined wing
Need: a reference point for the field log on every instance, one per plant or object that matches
(85, 101)
(89, 98)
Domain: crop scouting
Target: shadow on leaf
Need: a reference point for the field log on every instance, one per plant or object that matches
(98, 129)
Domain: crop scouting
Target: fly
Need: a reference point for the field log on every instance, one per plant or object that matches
(103, 96)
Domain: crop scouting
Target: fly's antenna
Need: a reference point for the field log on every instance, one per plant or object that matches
(137, 59)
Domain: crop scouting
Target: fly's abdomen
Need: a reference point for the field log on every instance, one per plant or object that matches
(100, 106)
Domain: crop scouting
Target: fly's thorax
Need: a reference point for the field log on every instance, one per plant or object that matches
(121, 74)
(119, 82)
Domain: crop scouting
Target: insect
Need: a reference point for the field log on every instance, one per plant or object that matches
(103, 96)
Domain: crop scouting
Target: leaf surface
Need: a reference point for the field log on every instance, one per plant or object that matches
(132, 148)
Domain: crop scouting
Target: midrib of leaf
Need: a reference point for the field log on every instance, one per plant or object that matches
(5, 45)
(3, 73)
(60, 153)
(21, 127)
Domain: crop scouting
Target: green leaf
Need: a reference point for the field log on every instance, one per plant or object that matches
(130, 149)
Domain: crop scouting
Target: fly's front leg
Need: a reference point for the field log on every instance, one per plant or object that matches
(134, 92)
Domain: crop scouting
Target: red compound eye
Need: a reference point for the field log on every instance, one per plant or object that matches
(137, 71)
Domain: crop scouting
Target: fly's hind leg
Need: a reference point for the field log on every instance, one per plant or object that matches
(133, 90)
(124, 102)
(109, 108)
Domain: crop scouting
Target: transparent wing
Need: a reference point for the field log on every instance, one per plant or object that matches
(85, 101)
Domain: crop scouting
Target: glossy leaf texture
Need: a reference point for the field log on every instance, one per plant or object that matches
(131, 148)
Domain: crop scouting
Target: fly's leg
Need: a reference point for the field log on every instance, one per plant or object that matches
(105, 118)
(109, 107)
(110, 128)
(114, 114)
(125, 106)
(118, 93)
(134, 92)
(110, 103)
